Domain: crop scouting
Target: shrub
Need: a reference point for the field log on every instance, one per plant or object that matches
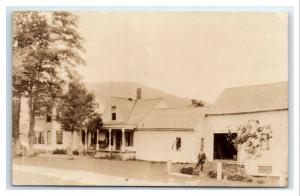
(19, 149)
(59, 151)
(212, 174)
(239, 177)
(260, 181)
(75, 152)
(232, 172)
(189, 171)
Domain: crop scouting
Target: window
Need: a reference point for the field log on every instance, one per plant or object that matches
(59, 137)
(113, 112)
(264, 141)
(264, 169)
(83, 137)
(48, 137)
(36, 136)
(43, 137)
(129, 138)
(48, 118)
(39, 137)
(178, 143)
(113, 116)
(202, 144)
(58, 113)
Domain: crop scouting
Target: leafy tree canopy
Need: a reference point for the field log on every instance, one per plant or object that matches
(197, 103)
(250, 136)
(78, 108)
(46, 47)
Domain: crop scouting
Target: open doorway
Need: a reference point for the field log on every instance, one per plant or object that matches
(93, 138)
(118, 140)
(223, 148)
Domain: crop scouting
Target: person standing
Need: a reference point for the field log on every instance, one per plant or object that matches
(201, 160)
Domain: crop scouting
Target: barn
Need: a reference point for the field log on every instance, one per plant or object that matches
(267, 104)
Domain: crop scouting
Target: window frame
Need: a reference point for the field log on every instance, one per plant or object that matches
(266, 140)
(113, 112)
(48, 118)
(49, 138)
(128, 138)
(56, 137)
(178, 143)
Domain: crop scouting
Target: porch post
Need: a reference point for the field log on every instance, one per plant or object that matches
(123, 140)
(97, 144)
(109, 139)
(85, 139)
(115, 140)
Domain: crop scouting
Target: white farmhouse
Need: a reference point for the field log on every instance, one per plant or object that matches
(147, 129)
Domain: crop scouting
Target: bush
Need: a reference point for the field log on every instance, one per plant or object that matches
(239, 177)
(189, 171)
(19, 149)
(75, 152)
(59, 151)
(232, 172)
(212, 174)
(260, 181)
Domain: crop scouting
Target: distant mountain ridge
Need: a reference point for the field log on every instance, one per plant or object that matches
(104, 92)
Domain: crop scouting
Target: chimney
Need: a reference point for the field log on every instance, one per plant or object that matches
(138, 93)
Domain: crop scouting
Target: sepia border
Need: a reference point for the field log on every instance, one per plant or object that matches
(291, 65)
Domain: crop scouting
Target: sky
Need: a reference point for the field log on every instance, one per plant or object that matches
(188, 54)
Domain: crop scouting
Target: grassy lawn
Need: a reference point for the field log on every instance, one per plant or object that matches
(150, 171)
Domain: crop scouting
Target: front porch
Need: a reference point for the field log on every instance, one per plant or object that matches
(116, 143)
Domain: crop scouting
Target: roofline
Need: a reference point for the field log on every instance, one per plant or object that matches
(134, 99)
(255, 85)
(183, 108)
(249, 112)
(164, 129)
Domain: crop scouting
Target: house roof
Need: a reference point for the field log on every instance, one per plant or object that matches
(129, 110)
(172, 118)
(247, 99)
(141, 108)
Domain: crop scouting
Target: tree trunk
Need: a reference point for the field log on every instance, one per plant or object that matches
(238, 156)
(16, 118)
(31, 124)
(70, 147)
(72, 141)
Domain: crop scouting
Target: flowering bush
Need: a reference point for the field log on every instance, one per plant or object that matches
(251, 136)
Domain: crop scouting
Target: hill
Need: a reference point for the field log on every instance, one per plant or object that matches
(104, 92)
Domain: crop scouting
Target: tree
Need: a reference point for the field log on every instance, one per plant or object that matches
(78, 109)
(45, 48)
(250, 136)
(94, 122)
(197, 103)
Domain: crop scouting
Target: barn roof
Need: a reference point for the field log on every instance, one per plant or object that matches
(172, 118)
(247, 99)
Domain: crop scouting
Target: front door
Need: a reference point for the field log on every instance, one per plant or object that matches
(118, 140)
(94, 138)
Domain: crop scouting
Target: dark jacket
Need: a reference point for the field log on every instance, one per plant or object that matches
(201, 157)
